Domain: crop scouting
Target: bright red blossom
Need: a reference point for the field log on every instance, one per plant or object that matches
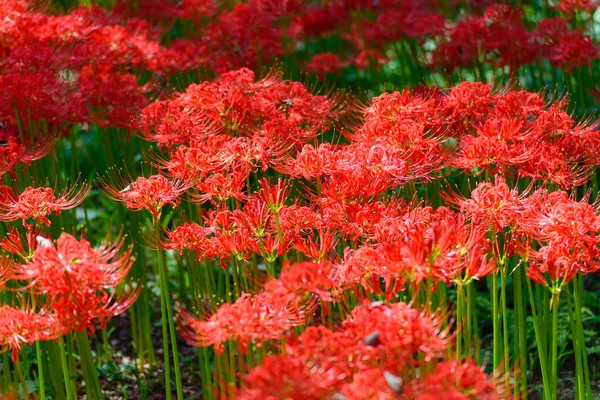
(38, 203)
(79, 282)
(151, 193)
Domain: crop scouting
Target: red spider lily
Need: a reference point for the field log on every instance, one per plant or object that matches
(568, 234)
(36, 203)
(498, 37)
(325, 63)
(244, 37)
(188, 235)
(18, 326)
(80, 283)
(250, 320)
(162, 11)
(221, 186)
(494, 204)
(151, 193)
(12, 152)
(499, 142)
(403, 118)
(274, 195)
(285, 377)
(380, 342)
(37, 101)
(305, 278)
(113, 98)
(421, 244)
(569, 7)
(166, 123)
(465, 380)
(21, 247)
(255, 217)
(469, 102)
(319, 246)
(271, 246)
(564, 48)
(370, 384)
(403, 333)
(368, 268)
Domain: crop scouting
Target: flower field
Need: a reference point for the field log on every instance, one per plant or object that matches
(299, 199)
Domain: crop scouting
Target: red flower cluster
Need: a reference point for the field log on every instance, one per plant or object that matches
(72, 286)
(380, 352)
(220, 132)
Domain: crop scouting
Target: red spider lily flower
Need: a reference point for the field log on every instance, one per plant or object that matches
(325, 63)
(271, 246)
(188, 235)
(370, 384)
(151, 193)
(166, 123)
(274, 195)
(368, 268)
(221, 186)
(570, 6)
(469, 102)
(567, 234)
(19, 246)
(419, 245)
(574, 50)
(246, 36)
(285, 377)
(465, 380)
(18, 326)
(113, 98)
(319, 246)
(500, 142)
(381, 342)
(81, 283)
(494, 204)
(558, 261)
(281, 7)
(255, 216)
(12, 152)
(303, 279)
(403, 331)
(564, 48)
(36, 203)
(250, 320)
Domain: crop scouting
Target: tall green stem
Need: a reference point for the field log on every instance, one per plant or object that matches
(65, 368)
(38, 353)
(541, 344)
(577, 291)
(164, 288)
(554, 360)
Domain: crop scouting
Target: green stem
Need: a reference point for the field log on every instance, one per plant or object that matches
(579, 385)
(541, 345)
(22, 379)
(92, 383)
(495, 320)
(554, 360)
(460, 301)
(578, 290)
(164, 286)
(503, 272)
(520, 331)
(65, 368)
(38, 352)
